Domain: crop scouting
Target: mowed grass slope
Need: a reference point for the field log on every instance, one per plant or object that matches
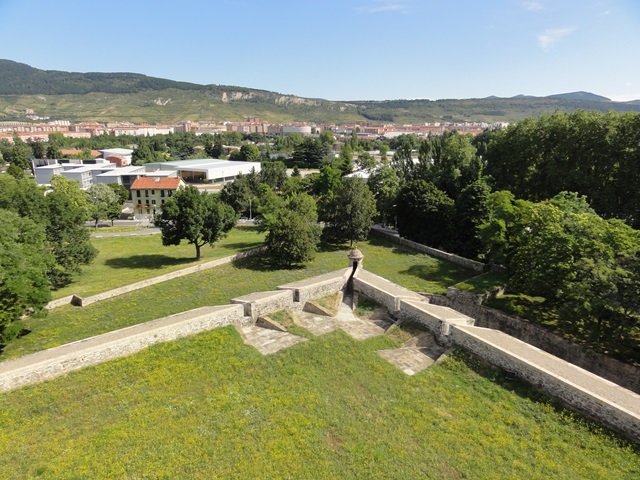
(210, 407)
(129, 259)
(215, 287)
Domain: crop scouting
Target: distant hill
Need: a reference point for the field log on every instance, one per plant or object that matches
(26, 91)
(21, 79)
(591, 97)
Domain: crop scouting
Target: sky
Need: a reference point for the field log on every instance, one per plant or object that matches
(341, 49)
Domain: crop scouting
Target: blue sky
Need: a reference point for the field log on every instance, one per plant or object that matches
(341, 49)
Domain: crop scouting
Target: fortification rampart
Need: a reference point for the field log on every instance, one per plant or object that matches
(597, 398)
(470, 304)
(603, 400)
(317, 287)
(83, 302)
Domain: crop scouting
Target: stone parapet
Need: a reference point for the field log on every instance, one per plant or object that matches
(83, 302)
(592, 395)
(383, 291)
(257, 304)
(317, 287)
(60, 360)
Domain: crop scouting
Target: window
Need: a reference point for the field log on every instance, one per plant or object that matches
(153, 192)
(146, 193)
(170, 192)
(139, 202)
(140, 211)
(138, 193)
(153, 202)
(162, 193)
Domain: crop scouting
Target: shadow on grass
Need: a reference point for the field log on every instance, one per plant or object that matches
(148, 262)
(378, 240)
(442, 272)
(241, 246)
(263, 263)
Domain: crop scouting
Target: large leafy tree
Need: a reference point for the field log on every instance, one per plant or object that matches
(384, 183)
(101, 201)
(274, 174)
(198, 217)
(310, 152)
(69, 239)
(293, 230)
(61, 213)
(348, 212)
(24, 263)
(18, 154)
(471, 211)
(425, 214)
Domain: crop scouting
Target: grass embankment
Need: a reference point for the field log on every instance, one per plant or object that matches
(210, 407)
(215, 287)
(129, 259)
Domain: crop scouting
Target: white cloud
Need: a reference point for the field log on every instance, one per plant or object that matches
(379, 6)
(549, 38)
(533, 6)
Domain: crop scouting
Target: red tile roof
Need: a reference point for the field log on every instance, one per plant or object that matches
(156, 183)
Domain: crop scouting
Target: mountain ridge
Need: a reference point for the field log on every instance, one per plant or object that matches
(137, 97)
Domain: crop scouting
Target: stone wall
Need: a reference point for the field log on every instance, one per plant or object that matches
(381, 290)
(621, 373)
(256, 304)
(57, 361)
(434, 252)
(579, 398)
(317, 287)
(83, 302)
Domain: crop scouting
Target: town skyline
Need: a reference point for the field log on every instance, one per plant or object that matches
(364, 50)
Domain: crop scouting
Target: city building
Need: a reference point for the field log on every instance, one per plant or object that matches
(150, 193)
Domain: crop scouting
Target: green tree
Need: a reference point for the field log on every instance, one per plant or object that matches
(293, 231)
(214, 149)
(274, 174)
(24, 285)
(53, 151)
(37, 148)
(18, 154)
(384, 150)
(241, 192)
(327, 138)
(501, 233)
(66, 210)
(425, 214)
(121, 192)
(384, 183)
(249, 153)
(310, 153)
(344, 162)
(327, 182)
(198, 217)
(101, 197)
(348, 213)
(471, 211)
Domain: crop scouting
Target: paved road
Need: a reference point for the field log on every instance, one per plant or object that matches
(134, 233)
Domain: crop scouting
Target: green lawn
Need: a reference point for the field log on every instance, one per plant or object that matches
(210, 407)
(125, 260)
(217, 287)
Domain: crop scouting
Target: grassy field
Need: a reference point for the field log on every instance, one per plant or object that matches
(217, 287)
(210, 407)
(124, 260)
